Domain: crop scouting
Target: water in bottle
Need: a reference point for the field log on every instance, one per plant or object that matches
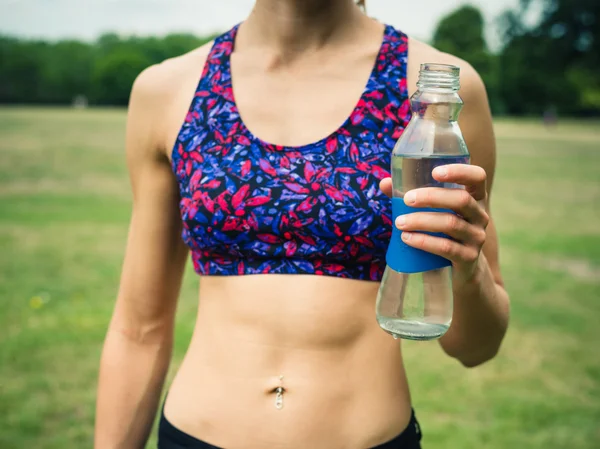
(415, 298)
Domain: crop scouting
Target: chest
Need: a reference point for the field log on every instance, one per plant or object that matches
(282, 175)
(242, 193)
(313, 209)
(297, 106)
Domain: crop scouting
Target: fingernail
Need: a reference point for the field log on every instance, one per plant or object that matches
(406, 236)
(400, 221)
(442, 172)
(410, 198)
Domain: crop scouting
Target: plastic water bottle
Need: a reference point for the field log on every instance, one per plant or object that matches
(415, 298)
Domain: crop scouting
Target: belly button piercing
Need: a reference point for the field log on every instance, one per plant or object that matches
(279, 398)
(279, 395)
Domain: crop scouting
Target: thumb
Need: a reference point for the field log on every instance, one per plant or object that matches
(386, 186)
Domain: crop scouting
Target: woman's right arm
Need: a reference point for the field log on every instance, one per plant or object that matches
(137, 349)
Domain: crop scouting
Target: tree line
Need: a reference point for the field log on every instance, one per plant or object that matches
(102, 71)
(550, 66)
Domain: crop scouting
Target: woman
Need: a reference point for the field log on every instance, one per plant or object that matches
(286, 352)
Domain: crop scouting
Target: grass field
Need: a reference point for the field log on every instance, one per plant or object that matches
(64, 209)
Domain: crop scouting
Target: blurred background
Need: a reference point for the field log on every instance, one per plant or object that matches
(66, 70)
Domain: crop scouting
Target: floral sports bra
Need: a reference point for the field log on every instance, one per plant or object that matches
(249, 207)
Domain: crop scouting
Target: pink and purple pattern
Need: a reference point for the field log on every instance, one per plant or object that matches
(249, 207)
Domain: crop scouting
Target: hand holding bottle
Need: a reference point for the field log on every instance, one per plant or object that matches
(437, 206)
(467, 228)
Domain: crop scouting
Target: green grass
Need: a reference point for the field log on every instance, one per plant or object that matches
(64, 210)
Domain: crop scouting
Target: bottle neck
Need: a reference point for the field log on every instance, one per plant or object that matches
(439, 77)
(436, 105)
(437, 97)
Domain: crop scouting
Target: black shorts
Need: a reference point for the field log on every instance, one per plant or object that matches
(169, 437)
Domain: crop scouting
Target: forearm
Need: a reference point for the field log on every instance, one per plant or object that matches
(132, 373)
(480, 318)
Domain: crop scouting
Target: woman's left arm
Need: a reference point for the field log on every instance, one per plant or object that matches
(481, 304)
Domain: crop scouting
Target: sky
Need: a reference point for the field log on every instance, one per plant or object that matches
(87, 19)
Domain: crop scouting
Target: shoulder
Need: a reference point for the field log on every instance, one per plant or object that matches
(476, 118)
(161, 94)
(472, 87)
(160, 81)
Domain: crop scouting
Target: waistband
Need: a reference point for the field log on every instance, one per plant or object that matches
(170, 437)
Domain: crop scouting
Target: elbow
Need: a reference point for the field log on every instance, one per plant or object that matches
(142, 331)
(475, 347)
(477, 359)
(472, 356)
(150, 335)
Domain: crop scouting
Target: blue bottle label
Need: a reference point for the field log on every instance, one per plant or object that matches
(405, 259)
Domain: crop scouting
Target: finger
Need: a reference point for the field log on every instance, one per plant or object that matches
(386, 186)
(458, 200)
(471, 176)
(449, 224)
(444, 247)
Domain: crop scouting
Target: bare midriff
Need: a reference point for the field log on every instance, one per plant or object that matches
(292, 361)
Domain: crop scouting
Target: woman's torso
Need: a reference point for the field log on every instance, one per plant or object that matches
(343, 378)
